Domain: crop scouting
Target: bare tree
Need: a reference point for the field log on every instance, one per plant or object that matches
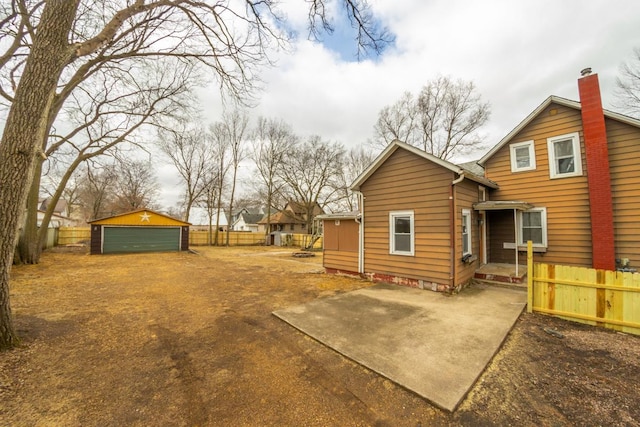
(209, 199)
(96, 191)
(356, 160)
(628, 90)
(135, 186)
(189, 151)
(75, 38)
(309, 171)
(104, 122)
(235, 128)
(443, 120)
(271, 140)
(220, 145)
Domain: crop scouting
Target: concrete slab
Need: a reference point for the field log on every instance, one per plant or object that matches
(430, 343)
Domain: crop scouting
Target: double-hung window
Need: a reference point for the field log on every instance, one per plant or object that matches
(523, 157)
(564, 156)
(466, 232)
(533, 226)
(401, 233)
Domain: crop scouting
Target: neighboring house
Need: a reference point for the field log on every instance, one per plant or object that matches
(60, 216)
(292, 219)
(567, 178)
(247, 222)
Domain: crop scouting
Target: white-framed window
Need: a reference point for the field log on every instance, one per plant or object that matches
(401, 233)
(533, 226)
(523, 156)
(466, 232)
(565, 158)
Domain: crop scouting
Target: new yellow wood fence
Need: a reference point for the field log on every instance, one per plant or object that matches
(596, 297)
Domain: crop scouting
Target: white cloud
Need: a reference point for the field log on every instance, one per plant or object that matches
(517, 53)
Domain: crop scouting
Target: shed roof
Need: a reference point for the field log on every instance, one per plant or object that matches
(140, 217)
(396, 145)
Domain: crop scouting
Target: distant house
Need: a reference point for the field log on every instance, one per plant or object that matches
(566, 178)
(247, 222)
(61, 216)
(292, 219)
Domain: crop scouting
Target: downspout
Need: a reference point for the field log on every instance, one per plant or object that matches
(517, 239)
(452, 227)
(360, 221)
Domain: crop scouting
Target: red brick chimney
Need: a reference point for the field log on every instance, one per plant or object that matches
(599, 179)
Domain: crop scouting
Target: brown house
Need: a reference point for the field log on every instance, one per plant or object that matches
(567, 178)
(578, 166)
(417, 219)
(294, 218)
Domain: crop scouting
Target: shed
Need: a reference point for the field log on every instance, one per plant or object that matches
(340, 242)
(142, 230)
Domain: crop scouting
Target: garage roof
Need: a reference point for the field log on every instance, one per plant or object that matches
(140, 217)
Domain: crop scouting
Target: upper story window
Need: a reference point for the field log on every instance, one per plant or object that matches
(466, 232)
(401, 233)
(564, 156)
(523, 156)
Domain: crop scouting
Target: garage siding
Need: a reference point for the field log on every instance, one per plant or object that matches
(140, 239)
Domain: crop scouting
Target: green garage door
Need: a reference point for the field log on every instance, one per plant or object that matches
(140, 239)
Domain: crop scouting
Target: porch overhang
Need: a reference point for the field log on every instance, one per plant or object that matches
(499, 205)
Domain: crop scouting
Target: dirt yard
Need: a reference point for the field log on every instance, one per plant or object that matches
(189, 340)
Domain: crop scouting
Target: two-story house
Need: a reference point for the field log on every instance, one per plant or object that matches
(567, 178)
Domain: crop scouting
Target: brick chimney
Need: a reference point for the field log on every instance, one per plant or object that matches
(599, 179)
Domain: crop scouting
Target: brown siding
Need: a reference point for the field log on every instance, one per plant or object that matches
(466, 194)
(341, 245)
(566, 199)
(408, 182)
(624, 162)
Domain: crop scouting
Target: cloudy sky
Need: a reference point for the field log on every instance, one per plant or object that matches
(516, 52)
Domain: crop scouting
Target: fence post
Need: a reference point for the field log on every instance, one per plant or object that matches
(529, 276)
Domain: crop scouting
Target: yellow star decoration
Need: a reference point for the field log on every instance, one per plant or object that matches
(145, 217)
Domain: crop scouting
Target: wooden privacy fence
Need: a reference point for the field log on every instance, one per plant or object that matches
(71, 235)
(236, 238)
(596, 297)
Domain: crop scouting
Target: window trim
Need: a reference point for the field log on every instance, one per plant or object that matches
(398, 214)
(577, 155)
(466, 217)
(543, 220)
(532, 156)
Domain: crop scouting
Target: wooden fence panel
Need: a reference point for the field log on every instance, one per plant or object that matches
(596, 297)
(72, 235)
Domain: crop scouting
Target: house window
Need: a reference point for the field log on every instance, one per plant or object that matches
(533, 226)
(401, 233)
(293, 227)
(466, 232)
(564, 156)
(523, 156)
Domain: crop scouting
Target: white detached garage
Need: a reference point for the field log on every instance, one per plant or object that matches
(143, 230)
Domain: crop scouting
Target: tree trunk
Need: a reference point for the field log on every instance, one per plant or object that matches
(28, 248)
(22, 138)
